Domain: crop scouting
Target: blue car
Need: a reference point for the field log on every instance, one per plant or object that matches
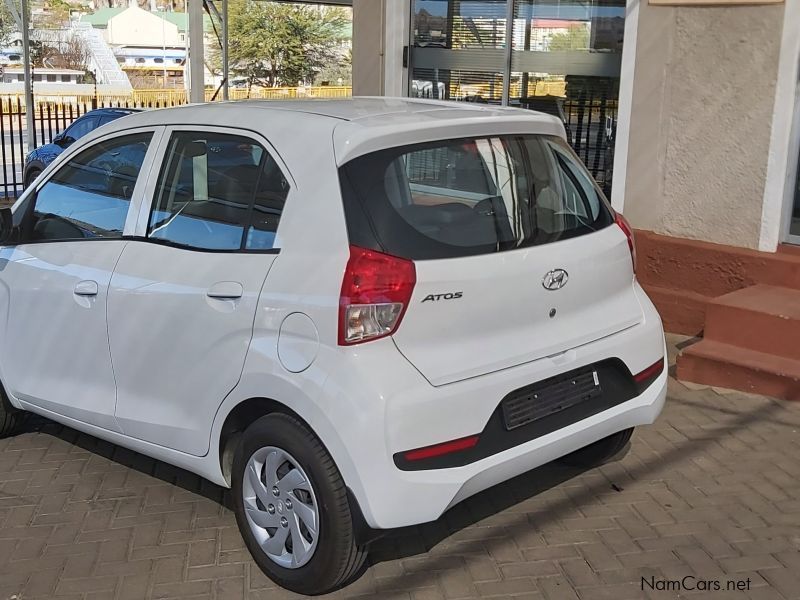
(40, 157)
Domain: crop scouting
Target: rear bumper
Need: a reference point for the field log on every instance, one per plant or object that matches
(414, 414)
(401, 498)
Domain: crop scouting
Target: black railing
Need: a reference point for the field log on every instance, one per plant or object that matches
(590, 122)
(50, 118)
(589, 116)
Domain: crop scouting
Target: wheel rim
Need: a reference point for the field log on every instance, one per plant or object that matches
(281, 507)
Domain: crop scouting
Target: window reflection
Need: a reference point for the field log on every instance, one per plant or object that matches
(460, 24)
(569, 25)
(565, 59)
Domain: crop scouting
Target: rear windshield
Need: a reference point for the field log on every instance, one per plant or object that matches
(470, 196)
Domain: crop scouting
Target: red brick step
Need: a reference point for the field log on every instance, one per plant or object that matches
(761, 317)
(716, 363)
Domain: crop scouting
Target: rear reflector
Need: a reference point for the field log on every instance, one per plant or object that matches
(442, 449)
(650, 372)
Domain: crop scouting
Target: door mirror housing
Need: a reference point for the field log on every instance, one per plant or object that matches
(63, 140)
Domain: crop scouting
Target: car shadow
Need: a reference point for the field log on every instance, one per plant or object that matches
(421, 539)
(128, 458)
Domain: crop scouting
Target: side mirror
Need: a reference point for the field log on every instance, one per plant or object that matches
(64, 141)
(6, 224)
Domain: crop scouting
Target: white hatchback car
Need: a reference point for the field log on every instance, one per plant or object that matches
(353, 313)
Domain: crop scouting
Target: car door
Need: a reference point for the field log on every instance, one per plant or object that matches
(54, 339)
(184, 293)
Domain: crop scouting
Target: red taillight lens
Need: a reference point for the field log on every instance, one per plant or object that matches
(442, 449)
(376, 290)
(628, 231)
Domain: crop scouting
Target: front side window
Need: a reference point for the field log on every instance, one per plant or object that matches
(470, 196)
(217, 192)
(88, 197)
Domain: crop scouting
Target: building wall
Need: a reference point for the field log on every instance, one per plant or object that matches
(380, 31)
(137, 27)
(368, 36)
(703, 98)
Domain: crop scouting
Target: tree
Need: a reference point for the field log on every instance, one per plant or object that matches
(575, 38)
(68, 51)
(7, 24)
(55, 14)
(275, 44)
(337, 71)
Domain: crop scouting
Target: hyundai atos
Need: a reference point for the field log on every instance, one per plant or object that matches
(354, 313)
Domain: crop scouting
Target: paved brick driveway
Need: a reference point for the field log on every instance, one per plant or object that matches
(711, 491)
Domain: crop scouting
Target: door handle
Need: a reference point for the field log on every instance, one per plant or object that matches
(86, 288)
(225, 290)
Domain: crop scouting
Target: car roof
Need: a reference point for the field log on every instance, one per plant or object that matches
(113, 110)
(357, 125)
(346, 109)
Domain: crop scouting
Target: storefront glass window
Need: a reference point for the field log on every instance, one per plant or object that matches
(794, 223)
(564, 58)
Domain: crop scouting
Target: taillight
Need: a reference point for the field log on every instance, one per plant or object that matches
(376, 290)
(628, 231)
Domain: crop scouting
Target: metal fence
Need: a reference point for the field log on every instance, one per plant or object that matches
(590, 121)
(53, 114)
(50, 118)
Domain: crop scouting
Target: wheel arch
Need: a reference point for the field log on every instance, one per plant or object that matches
(245, 412)
(239, 417)
(34, 165)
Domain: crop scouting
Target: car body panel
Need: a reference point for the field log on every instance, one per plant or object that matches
(505, 316)
(189, 347)
(55, 342)
(365, 402)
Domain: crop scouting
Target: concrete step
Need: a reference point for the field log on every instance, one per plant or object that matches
(764, 318)
(719, 364)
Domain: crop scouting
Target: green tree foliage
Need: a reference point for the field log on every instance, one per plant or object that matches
(275, 44)
(576, 38)
(7, 24)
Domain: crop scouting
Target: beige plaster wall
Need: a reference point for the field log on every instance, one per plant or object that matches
(703, 97)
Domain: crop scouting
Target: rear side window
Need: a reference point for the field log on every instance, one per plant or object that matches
(217, 192)
(470, 196)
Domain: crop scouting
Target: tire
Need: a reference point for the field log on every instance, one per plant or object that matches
(31, 176)
(600, 451)
(280, 444)
(10, 417)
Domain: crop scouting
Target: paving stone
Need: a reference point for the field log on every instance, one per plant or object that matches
(710, 491)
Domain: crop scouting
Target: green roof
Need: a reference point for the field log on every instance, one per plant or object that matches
(101, 17)
(179, 19)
